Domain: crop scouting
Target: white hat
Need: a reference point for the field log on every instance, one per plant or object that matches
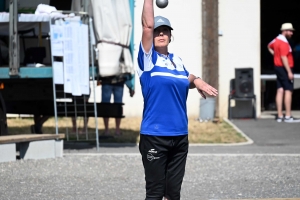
(287, 26)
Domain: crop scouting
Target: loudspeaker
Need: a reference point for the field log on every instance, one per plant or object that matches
(244, 82)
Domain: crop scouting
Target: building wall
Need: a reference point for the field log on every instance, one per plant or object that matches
(239, 46)
(186, 21)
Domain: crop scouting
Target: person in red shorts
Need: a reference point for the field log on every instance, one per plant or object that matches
(284, 63)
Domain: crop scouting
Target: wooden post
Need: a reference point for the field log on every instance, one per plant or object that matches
(210, 45)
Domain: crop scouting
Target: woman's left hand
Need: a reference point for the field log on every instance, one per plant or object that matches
(203, 88)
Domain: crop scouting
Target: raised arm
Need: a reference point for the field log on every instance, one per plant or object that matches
(148, 25)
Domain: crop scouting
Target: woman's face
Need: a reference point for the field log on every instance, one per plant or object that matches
(161, 36)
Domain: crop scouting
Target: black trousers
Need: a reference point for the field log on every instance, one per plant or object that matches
(164, 159)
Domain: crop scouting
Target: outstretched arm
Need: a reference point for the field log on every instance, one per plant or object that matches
(202, 86)
(148, 25)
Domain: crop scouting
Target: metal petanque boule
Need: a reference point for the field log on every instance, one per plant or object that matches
(162, 3)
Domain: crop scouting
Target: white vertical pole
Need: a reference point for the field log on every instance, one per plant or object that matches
(92, 43)
(53, 84)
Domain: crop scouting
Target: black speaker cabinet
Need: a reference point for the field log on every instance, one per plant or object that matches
(244, 82)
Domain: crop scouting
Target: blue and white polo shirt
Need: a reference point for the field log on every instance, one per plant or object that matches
(165, 87)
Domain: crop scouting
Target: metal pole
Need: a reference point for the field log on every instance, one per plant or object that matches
(66, 115)
(53, 84)
(85, 118)
(92, 43)
(85, 5)
(75, 112)
(13, 39)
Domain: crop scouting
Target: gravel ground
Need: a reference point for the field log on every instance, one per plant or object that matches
(99, 176)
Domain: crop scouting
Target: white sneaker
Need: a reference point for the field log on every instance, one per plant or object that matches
(291, 120)
(279, 119)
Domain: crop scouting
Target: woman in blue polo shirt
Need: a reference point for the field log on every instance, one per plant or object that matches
(164, 130)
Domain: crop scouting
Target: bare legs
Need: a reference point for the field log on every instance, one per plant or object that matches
(39, 120)
(84, 128)
(285, 95)
(279, 99)
(106, 129)
(105, 120)
(118, 122)
(288, 102)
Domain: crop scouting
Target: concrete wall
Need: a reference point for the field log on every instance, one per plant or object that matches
(186, 21)
(239, 47)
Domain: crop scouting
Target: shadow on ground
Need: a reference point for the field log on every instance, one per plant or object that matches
(80, 145)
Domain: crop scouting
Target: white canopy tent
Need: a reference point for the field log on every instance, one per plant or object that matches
(113, 29)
